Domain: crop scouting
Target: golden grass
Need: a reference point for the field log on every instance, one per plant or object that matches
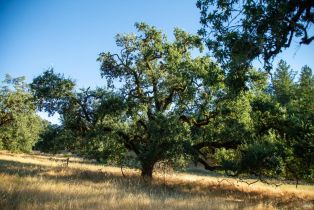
(37, 181)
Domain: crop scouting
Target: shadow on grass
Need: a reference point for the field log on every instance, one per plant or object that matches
(155, 189)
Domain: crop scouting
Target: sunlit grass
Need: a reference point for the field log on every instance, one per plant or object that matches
(33, 181)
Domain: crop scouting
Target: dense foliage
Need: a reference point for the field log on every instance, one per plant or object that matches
(19, 124)
(238, 32)
(176, 108)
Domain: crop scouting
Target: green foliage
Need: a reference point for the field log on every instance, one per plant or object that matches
(54, 139)
(51, 91)
(19, 124)
(275, 129)
(283, 84)
(173, 107)
(237, 32)
(265, 28)
(263, 157)
(300, 127)
(162, 84)
(104, 148)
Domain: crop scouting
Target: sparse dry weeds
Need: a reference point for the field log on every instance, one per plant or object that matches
(37, 181)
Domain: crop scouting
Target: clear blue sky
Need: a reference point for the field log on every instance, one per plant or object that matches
(69, 34)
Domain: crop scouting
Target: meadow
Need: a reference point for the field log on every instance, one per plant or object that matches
(42, 181)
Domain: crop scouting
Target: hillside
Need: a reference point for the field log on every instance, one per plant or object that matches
(41, 181)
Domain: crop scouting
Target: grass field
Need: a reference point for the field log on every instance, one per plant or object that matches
(39, 181)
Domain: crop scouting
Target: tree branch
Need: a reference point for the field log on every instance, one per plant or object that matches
(207, 166)
(216, 145)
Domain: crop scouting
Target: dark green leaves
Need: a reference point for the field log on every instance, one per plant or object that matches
(51, 91)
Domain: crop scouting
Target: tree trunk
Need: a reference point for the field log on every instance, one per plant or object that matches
(147, 170)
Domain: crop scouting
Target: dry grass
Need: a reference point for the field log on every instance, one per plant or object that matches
(34, 181)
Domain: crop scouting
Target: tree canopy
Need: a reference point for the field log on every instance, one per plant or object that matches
(239, 32)
(19, 124)
(160, 103)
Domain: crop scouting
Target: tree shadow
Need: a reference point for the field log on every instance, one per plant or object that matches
(156, 189)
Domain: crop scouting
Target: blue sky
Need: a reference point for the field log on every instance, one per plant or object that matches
(69, 34)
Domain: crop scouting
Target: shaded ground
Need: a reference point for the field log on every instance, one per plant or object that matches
(44, 182)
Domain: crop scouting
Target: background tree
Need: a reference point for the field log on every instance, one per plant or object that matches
(19, 124)
(79, 110)
(247, 131)
(49, 140)
(300, 129)
(283, 84)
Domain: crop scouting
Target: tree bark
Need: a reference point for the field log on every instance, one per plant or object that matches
(147, 170)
